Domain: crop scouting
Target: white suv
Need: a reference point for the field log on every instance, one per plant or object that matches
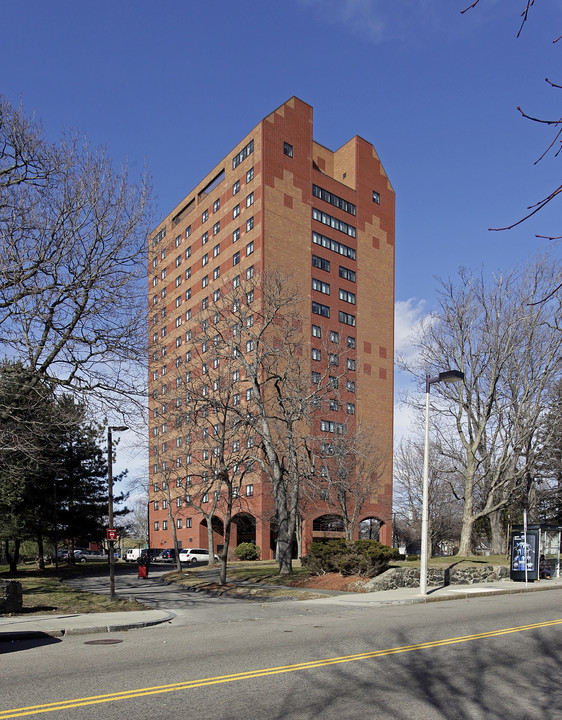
(195, 555)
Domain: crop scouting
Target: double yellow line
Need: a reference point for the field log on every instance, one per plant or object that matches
(188, 685)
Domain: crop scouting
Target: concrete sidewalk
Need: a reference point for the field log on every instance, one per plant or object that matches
(24, 627)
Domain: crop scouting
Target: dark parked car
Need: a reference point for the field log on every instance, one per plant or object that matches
(150, 554)
(168, 555)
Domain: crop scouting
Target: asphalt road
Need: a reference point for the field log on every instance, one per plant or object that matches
(486, 657)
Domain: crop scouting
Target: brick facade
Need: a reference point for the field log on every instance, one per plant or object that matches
(281, 169)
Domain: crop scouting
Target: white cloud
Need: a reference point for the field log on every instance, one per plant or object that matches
(408, 315)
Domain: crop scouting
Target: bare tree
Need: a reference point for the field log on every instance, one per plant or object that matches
(554, 145)
(445, 509)
(72, 247)
(509, 349)
(350, 467)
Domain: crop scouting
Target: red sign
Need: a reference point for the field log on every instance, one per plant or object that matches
(111, 534)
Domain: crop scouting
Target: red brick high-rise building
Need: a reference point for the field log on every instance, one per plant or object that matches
(278, 201)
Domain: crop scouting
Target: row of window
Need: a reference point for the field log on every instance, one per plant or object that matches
(324, 287)
(334, 200)
(334, 222)
(333, 245)
(324, 311)
(334, 336)
(333, 358)
(323, 264)
(243, 154)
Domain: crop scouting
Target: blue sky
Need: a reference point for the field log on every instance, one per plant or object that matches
(176, 84)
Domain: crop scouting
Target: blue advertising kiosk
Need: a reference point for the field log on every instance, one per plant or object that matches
(524, 553)
(535, 552)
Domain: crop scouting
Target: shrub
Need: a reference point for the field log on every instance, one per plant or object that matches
(412, 557)
(349, 557)
(247, 551)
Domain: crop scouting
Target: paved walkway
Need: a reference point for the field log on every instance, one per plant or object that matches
(181, 606)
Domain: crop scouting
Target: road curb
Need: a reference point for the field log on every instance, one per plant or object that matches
(464, 595)
(92, 630)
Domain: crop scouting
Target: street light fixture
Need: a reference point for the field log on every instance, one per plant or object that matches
(447, 376)
(111, 529)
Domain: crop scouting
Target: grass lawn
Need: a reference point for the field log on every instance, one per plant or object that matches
(453, 560)
(44, 592)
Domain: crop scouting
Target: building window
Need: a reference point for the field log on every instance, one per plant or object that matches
(236, 399)
(236, 258)
(156, 525)
(205, 259)
(334, 359)
(315, 377)
(216, 273)
(205, 216)
(319, 309)
(250, 270)
(347, 274)
(235, 282)
(243, 154)
(249, 490)
(347, 296)
(250, 297)
(250, 175)
(327, 426)
(333, 245)
(249, 248)
(236, 187)
(316, 354)
(236, 235)
(235, 211)
(188, 520)
(164, 524)
(350, 364)
(334, 222)
(333, 405)
(334, 200)
(347, 318)
(321, 286)
(156, 504)
(249, 345)
(178, 261)
(350, 386)
(216, 205)
(188, 231)
(334, 336)
(206, 498)
(320, 263)
(250, 200)
(350, 342)
(216, 250)
(188, 273)
(249, 224)
(178, 240)
(350, 409)
(376, 197)
(249, 394)
(316, 331)
(205, 238)
(178, 522)
(205, 281)
(216, 295)
(288, 149)
(216, 228)
(204, 303)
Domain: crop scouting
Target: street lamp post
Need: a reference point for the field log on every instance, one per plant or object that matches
(110, 429)
(448, 376)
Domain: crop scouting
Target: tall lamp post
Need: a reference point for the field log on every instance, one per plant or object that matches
(447, 376)
(111, 533)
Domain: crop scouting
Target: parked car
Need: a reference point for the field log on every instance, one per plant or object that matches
(132, 555)
(168, 555)
(196, 555)
(91, 556)
(150, 553)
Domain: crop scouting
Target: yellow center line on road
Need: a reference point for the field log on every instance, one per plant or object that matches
(250, 674)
